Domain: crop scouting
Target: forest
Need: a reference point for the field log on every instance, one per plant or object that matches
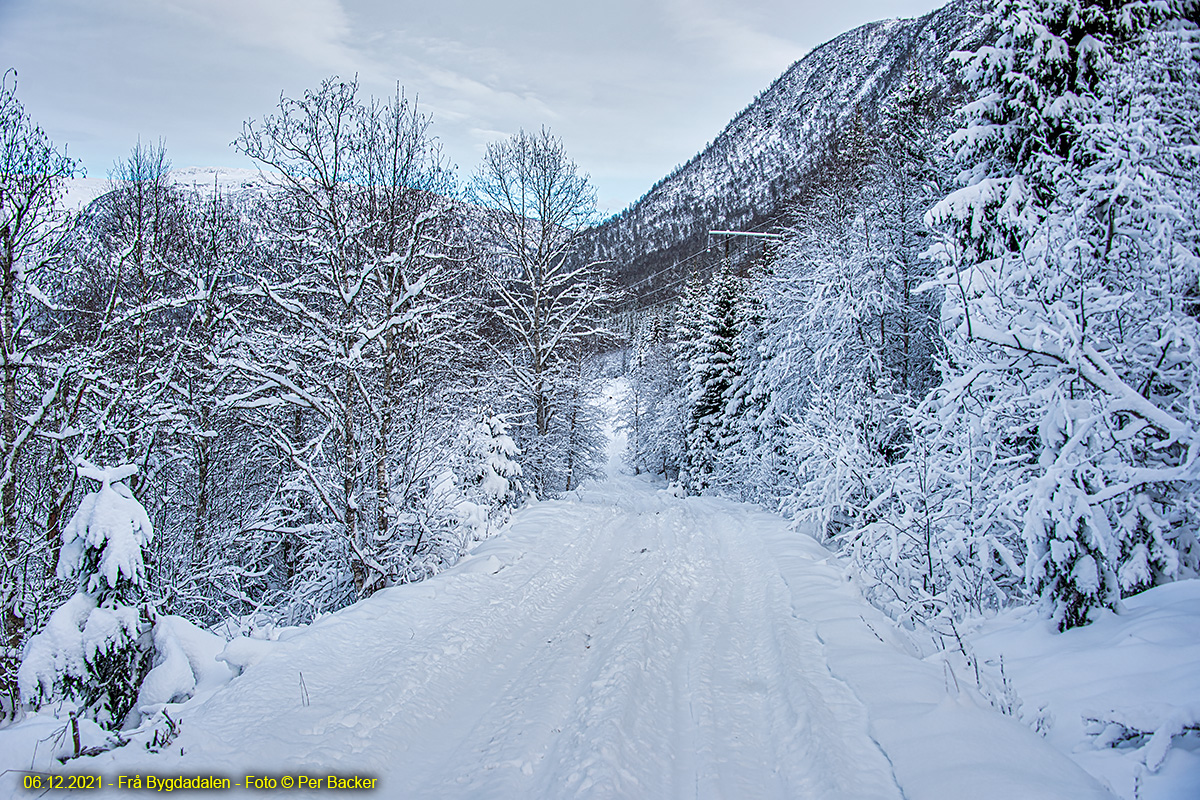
(969, 365)
(298, 395)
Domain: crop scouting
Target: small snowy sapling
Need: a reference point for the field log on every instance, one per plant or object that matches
(492, 486)
(95, 647)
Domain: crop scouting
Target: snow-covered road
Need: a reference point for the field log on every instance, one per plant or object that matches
(620, 642)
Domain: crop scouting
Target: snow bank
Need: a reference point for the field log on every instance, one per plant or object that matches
(244, 652)
(490, 557)
(941, 737)
(185, 662)
(41, 743)
(57, 650)
(1119, 695)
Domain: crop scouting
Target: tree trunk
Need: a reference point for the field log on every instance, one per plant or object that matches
(199, 534)
(10, 594)
(385, 434)
(358, 568)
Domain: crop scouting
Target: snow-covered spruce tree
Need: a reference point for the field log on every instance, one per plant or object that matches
(750, 466)
(478, 490)
(94, 650)
(909, 174)
(1070, 271)
(492, 483)
(685, 352)
(706, 339)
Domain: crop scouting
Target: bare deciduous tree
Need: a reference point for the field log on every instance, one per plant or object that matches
(32, 171)
(361, 292)
(538, 202)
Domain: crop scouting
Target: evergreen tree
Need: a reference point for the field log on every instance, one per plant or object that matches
(707, 334)
(475, 496)
(494, 478)
(95, 647)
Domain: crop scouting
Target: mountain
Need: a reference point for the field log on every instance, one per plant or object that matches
(230, 181)
(747, 177)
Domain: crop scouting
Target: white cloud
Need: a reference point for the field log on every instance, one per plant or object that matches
(317, 32)
(633, 87)
(740, 44)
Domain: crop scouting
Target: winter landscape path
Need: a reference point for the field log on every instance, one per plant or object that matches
(620, 642)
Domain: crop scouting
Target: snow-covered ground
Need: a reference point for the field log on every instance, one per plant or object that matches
(625, 642)
(1118, 694)
(621, 642)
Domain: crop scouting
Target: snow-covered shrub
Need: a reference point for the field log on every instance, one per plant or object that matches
(836, 466)
(939, 540)
(1151, 728)
(95, 648)
(465, 500)
(184, 662)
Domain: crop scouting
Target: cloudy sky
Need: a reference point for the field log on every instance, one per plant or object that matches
(633, 87)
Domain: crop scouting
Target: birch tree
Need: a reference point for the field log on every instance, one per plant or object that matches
(32, 172)
(548, 309)
(358, 304)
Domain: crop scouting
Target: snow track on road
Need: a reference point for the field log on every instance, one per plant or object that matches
(620, 642)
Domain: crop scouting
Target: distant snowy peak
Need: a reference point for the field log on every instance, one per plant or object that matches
(226, 179)
(80, 192)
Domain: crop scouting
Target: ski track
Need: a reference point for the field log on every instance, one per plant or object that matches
(638, 646)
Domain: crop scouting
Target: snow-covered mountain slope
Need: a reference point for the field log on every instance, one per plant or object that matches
(79, 192)
(621, 642)
(765, 156)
